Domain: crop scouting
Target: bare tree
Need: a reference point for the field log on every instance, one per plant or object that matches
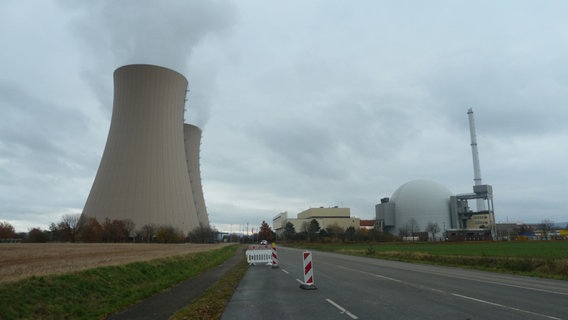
(37, 235)
(7, 231)
(147, 232)
(91, 230)
(547, 226)
(129, 226)
(202, 235)
(73, 223)
(305, 230)
(433, 228)
(409, 229)
(413, 226)
(336, 232)
(169, 234)
(114, 231)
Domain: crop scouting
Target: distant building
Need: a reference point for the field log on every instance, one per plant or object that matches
(419, 203)
(368, 224)
(468, 235)
(413, 205)
(479, 221)
(326, 218)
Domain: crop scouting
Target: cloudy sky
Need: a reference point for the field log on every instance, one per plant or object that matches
(302, 103)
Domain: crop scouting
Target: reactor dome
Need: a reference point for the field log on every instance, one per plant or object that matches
(424, 201)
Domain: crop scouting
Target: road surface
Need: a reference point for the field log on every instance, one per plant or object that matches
(364, 288)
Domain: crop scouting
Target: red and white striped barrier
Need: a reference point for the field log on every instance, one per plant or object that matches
(274, 256)
(308, 272)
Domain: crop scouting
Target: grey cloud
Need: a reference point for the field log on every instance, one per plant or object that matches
(303, 104)
(117, 33)
(36, 125)
(40, 155)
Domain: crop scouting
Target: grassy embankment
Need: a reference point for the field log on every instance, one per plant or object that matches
(213, 302)
(94, 293)
(547, 259)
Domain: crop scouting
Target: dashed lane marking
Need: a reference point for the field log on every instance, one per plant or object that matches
(457, 295)
(343, 310)
(504, 306)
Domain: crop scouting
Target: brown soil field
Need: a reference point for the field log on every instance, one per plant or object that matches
(22, 260)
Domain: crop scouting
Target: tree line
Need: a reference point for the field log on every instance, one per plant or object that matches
(311, 231)
(79, 228)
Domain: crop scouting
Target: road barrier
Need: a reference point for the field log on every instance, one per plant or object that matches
(308, 272)
(259, 254)
(274, 256)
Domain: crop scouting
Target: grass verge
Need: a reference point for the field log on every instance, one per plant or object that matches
(94, 293)
(546, 259)
(212, 304)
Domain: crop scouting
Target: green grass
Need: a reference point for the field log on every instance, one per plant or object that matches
(212, 304)
(536, 258)
(95, 293)
(533, 249)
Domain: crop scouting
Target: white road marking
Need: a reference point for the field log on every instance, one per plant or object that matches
(343, 310)
(493, 282)
(286, 272)
(300, 281)
(504, 306)
(371, 274)
(458, 295)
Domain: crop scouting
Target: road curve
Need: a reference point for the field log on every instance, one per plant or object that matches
(351, 287)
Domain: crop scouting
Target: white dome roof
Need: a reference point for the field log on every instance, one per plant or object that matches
(424, 201)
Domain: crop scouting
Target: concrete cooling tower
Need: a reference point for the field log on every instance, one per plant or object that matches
(192, 136)
(149, 171)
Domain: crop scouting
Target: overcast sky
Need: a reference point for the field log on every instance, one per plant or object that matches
(302, 103)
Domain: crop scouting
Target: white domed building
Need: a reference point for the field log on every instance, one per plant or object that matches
(413, 206)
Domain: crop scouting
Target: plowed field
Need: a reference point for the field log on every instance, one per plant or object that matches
(22, 260)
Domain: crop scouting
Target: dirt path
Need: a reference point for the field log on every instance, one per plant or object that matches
(22, 260)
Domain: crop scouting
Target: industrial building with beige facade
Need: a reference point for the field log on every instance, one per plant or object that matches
(326, 218)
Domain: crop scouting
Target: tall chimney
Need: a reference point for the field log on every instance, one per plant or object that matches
(475, 155)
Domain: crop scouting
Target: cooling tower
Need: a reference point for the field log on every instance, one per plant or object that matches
(192, 136)
(143, 175)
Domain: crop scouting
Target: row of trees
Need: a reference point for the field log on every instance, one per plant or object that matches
(311, 231)
(412, 229)
(78, 228)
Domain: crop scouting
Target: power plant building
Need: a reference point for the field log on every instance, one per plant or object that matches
(149, 171)
(326, 218)
(417, 204)
(413, 205)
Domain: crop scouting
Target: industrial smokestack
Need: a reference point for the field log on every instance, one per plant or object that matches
(475, 155)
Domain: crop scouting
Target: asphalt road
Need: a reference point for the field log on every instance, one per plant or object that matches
(363, 288)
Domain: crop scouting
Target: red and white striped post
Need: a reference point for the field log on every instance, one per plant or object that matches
(274, 256)
(308, 272)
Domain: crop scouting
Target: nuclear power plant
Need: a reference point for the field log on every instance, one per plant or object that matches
(149, 172)
(416, 205)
